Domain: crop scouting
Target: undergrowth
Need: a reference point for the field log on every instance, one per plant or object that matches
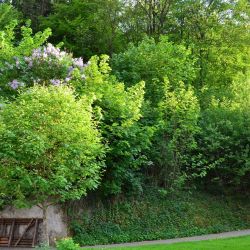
(156, 215)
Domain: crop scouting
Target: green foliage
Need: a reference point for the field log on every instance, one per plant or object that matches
(7, 15)
(172, 132)
(87, 27)
(151, 62)
(218, 34)
(156, 216)
(46, 66)
(67, 244)
(49, 147)
(118, 110)
(33, 9)
(224, 141)
(27, 43)
(174, 140)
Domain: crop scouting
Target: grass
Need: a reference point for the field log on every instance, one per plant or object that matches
(239, 243)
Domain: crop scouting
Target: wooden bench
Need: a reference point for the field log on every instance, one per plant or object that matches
(10, 235)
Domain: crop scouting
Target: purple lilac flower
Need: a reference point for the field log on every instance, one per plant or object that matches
(67, 79)
(27, 59)
(51, 50)
(78, 62)
(55, 82)
(15, 84)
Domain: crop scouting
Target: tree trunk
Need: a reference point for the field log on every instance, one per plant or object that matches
(45, 225)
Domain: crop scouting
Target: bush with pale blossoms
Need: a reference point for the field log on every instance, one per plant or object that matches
(47, 65)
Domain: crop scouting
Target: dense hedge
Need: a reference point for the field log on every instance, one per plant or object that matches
(157, 216)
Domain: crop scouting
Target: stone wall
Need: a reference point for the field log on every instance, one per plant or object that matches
(56, 220)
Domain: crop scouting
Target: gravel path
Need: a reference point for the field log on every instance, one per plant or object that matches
(186, 239)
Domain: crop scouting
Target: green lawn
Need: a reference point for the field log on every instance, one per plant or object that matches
(241, 243)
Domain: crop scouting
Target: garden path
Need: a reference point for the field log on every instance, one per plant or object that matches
(185, 239)
(170, 241)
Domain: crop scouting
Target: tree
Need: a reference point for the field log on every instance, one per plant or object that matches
(33, 9)
(50, 149)
(87, 27)
(218, 34)
(155, 15)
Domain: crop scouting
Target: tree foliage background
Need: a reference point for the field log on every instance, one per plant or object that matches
(172, 102)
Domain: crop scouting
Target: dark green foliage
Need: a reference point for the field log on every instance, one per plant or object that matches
(33, 9)
(224, 142)
(87, 27)
(158, 216)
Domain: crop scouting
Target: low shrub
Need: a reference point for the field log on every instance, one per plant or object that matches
(67, 244)
(157, 216)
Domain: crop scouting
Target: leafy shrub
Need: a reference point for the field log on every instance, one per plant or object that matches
(171, 109)
(174, 140)
(49, 147)
(45, 66)
(67, 244)
(224, 144)
(8, 14)
(151, 62)
(24, 47)
(118, 110)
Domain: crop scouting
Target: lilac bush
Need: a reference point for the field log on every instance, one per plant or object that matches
(47, 65)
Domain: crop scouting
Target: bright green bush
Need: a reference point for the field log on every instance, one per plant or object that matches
(67, 244)
(50, 148)
(7, 15)
(118, 110)
(9, 47)
(151, 62)
(174, 140)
